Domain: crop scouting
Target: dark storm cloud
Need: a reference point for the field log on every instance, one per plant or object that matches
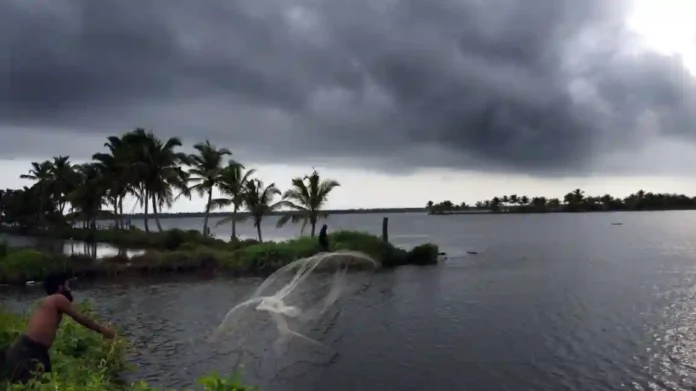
(540, 86)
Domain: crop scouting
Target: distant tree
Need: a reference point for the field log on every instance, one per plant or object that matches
(259, 200)
(233, 180)
(307, 197)
(205, 173)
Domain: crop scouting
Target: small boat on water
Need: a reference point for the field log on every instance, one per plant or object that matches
(616, 223)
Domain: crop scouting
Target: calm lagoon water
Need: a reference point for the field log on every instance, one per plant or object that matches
(551, 302)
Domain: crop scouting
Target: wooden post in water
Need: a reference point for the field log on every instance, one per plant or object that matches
(385, 229)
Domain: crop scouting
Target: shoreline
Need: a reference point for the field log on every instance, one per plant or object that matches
(515, 212)
(200, 215)
(130, 239)
(18, 266)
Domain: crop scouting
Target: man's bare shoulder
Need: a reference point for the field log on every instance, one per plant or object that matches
(57, 301)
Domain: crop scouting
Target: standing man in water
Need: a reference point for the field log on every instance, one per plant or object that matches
(29, 354)
(324, 239)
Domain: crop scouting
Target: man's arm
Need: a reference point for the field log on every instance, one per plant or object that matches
(65, 306)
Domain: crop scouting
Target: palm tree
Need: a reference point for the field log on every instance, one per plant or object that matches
(495, 203)
(307, 196)
(232, 184)
(117, 166)
(88, 196)
(539, 202)
(206, 167)
(64, 180)
(259, 201)
(41, 174)
(20, 206)
(606, 200)
(156, 169)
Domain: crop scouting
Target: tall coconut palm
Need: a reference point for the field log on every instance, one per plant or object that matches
(89, 194)
(307, 197)
(232, 185)
(259, 201)
(117, 165)
(156, 169)
(40, 173)
(206, 167)
(63, 179)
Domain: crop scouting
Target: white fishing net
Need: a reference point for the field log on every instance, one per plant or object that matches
(293, 309)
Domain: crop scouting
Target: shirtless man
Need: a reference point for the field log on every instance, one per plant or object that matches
(29, 354)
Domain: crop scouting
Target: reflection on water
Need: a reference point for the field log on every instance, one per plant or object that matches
(68, 247)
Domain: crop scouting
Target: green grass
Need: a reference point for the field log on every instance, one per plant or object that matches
(18, 266)
(84, 361)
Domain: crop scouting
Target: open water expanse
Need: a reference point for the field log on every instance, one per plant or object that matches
(550, 302)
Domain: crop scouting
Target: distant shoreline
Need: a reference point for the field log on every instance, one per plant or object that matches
(531, 212)
(194, 215)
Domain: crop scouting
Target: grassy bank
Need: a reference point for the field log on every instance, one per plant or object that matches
(133, 238)
(84, 361)
(19, 266)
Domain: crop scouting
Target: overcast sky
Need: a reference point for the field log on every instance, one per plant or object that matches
(402, 101)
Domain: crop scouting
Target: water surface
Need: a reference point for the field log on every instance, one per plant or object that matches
(553, 302)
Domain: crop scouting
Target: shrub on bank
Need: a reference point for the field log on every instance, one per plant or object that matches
(84, 361)
(248, 259)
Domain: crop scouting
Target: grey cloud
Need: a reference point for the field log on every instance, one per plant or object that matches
(546, 87)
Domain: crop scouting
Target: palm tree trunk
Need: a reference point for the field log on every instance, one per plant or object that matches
(115, 200)
(154, 213)
(258, 230)
(207, 212)
(92, 227)
(147, 198)
(41, 204)
(314, 227)
(120, 212)
(234, 223)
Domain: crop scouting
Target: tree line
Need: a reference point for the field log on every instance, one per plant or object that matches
(575, 201)
(156, 173)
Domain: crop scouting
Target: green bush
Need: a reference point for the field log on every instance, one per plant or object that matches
(84, 361)
(28, 264)
(425, 254)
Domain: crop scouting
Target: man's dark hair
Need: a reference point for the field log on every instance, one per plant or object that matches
(55, 281)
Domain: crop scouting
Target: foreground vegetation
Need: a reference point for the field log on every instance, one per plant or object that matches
(237, 259)
(575, 201)
(156, 173)
(84, 361)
